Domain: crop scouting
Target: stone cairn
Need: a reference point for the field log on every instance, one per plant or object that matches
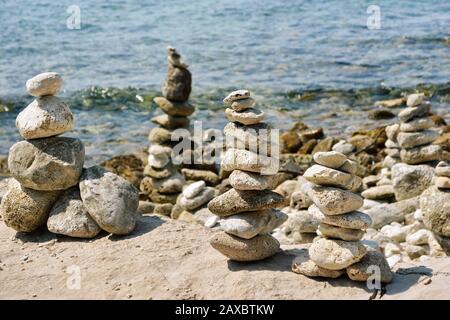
(163, 182)
(338, 249)
(49, 184)
(414, 136)
(435, 206)
(247, 210)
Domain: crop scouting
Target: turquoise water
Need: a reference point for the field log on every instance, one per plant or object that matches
(302, 60)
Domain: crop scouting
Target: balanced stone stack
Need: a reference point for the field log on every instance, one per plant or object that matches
(163, 182)
(194, 197)
(49, 183)
(415, 135)
(338, 248)
(435, 206)
(247, 210)
(418, 155)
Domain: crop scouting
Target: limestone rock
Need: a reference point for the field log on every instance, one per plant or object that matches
(386, 213)
(26, 209)
(302, 264)
(237, 249)
(209, 177)
(248, 161)
(411, 112)
(417, 124)
(236, 95)
(392, 131)
(415, 139)
(343, 147)
(203, 197)
(242, 104)
(160, 136)
(410, 181)
(442, 169)
(442, 182)
(194, 189)
(329, 231)
(421, 154)
(171, 184)
(435, 206)
(334, 201)
(301, 221)
(330, 177)
(363, 270)
(300, 200)
(44, 117)
(176, 109)
(243, 180)
(247, 117)
(70, 217)
(351, 220)
(331, 159)
(415, 99)
(234, 201)
(256, 138)
(110, 200)
(383, 192)
(157, 197)
(177, 86)
(44, 84)
(249, 224)
(47, 164)
(156, 173)
(336, 254)
(171, 122)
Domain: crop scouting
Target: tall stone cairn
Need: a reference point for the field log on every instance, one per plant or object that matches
(331, 186)
(415, 133)
(163, 182)
(247, 214)
(49, 184)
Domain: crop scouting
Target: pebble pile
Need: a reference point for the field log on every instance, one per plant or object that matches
(414, 135)
(163, 182)
(338, 249)
(247, 214)
(49, 184)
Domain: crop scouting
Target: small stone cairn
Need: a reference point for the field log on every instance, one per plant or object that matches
(247, 210)
(163, 182)
(414, 135)
(338, 248)
(49, 184)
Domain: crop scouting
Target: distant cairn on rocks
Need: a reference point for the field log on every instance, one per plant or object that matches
(49, 184)
(414, 137)
(247, 214)
(338, 249)
(163, 181)
(435, 206)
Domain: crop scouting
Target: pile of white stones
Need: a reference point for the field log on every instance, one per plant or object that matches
(163, 182)
(247, 210)
(338, 249)
(414, 136)
(49, 184)
(195, 196)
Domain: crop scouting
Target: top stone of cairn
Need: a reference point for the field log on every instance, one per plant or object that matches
(44, 84)
(236, 95)
(174, 58)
